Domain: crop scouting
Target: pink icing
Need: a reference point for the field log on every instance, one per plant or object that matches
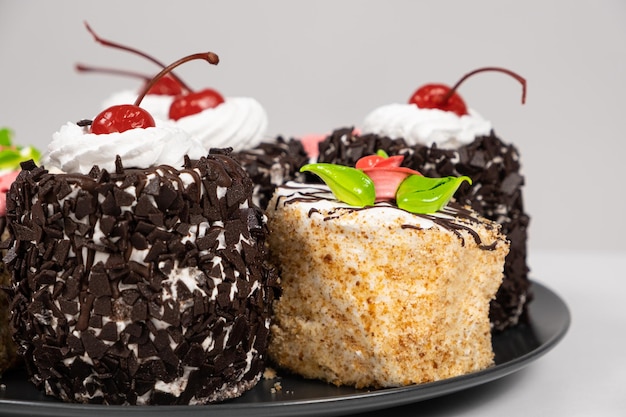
(311, 141)
(5, 184)
(386, 173)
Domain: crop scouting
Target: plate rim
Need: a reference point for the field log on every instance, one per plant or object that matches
(336, 405)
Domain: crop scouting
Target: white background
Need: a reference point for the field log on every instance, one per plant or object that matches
(319, 65)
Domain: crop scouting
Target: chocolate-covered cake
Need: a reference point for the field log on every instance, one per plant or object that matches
(140, 286)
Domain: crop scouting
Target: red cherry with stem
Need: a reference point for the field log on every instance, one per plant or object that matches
(430, 96)
(116, 45)
(166, 86)
(442, 97)
(194, 103)
(123, 117)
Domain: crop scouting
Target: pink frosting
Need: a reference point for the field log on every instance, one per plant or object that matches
(5, 184)
(386, 173)
(311, 141)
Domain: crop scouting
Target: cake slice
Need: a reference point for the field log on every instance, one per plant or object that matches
(378, 296)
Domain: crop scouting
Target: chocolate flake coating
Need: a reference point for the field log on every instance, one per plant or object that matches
(140, 286)
(271, 164)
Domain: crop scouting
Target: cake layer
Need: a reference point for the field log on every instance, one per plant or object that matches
(377, 296)
(140, 286)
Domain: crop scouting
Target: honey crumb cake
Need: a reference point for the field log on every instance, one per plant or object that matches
(379, 291)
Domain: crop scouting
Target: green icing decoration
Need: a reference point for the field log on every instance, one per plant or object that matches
(418, 194)
(382, 153)
(5, 137)
(10, 155)
(348, 184)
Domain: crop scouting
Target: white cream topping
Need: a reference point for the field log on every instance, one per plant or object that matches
(324, 205)
(239, 122)
(426, 126)
(74, 150)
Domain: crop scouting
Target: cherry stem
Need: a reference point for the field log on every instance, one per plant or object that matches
(135, 51)
(210, 57)
(518, 77)
(87, 68)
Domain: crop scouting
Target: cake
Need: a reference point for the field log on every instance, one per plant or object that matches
(214, 120)
(375, 295)
(437, 142)
(10, 157)
(138, 282)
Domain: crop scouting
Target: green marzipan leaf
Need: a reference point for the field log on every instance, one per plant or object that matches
(11, 158)
(348, 184)
(418, 194)
(5, 136)
(382, 153)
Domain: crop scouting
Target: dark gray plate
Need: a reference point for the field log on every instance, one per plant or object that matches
(514, 349)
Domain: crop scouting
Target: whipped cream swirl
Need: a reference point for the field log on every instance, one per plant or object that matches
(74, 150)
(426, 126)
(239, 122)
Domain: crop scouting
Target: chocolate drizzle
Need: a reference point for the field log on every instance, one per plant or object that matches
(140, 286)
(453, 217)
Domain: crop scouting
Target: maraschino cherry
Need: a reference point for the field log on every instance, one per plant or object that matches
(187, 102)
(442, 97)
(123, 117)
(194, 102)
